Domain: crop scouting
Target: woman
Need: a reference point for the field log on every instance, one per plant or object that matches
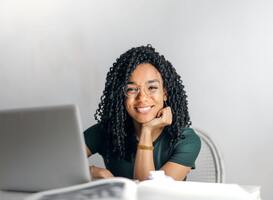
(143, 121)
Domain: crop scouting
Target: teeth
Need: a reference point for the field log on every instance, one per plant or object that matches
(144, 109)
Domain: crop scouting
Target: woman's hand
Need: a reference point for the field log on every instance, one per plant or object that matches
(163, 118)
(97, 172)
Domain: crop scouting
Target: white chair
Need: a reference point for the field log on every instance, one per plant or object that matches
(209, 164)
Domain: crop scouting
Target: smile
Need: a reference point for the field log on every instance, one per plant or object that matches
(143, 110)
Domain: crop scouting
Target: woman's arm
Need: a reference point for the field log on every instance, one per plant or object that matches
(144, 162)
(176, 171)
(97, 172)
(88, 152)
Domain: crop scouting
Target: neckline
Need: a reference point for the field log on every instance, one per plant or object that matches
(156, 140)
(159, 137)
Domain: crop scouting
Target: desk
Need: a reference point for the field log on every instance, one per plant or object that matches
(5, 195)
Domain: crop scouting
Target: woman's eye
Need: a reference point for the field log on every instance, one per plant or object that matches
(131, 90)
(153, 88)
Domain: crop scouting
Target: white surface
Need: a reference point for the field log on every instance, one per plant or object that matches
(161, 192)
(175, 190)
(59, 52)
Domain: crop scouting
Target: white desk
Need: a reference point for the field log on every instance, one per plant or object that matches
(5, 195)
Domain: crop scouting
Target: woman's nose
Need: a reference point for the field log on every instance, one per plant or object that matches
(142, 94)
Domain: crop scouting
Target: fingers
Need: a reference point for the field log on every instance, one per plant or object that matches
(166, 115)
(159, 114)
(92, 170)
(163, 118)
(98, 172)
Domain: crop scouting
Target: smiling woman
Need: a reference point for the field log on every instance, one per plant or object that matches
(144, 104)
(143, 121)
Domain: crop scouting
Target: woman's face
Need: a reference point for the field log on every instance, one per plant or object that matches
(145, 94)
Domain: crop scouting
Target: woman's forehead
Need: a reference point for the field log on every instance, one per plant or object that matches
(145, 73)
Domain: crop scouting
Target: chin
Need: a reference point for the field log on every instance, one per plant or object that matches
(143, 119)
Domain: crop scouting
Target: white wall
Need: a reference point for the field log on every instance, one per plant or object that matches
(54, 52)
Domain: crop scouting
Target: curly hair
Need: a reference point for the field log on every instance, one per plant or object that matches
(111, 112)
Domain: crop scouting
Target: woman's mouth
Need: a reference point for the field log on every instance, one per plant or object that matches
(144, 109)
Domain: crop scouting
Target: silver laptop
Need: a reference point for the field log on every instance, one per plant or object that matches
(42, 148)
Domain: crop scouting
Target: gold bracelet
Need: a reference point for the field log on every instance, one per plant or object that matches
(145, 147)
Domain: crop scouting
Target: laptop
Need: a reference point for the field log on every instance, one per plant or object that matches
(42, 148)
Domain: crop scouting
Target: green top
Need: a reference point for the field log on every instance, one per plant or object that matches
(184, 151)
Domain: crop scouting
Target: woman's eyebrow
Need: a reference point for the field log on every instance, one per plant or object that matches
(150, 81)
(131, 82)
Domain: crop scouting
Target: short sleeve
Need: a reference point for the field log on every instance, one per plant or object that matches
(186, 149)
(95, 139)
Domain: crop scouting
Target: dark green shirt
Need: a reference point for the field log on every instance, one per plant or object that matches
(184, 151)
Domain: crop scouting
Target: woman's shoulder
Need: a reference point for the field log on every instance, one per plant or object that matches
(95, 129)
(95, 138)
(189, 135)
(186, 148)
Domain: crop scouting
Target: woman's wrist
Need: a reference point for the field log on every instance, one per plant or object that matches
(145, 147)
(146, 130)
(145, 139)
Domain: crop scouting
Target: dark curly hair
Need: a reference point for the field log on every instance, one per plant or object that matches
(112, 114)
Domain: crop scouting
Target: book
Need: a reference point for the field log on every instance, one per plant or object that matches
(157, 189)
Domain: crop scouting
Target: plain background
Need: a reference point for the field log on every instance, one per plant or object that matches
(58, 52)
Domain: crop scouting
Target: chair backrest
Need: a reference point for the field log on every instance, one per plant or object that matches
(209, 164)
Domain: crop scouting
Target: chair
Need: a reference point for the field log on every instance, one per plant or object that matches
(209, 164)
